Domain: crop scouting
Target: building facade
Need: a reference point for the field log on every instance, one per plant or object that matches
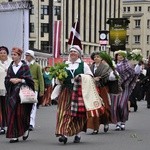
(138, 32)
(92, 16)
(40, 28)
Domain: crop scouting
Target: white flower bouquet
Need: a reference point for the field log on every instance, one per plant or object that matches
(135, 54)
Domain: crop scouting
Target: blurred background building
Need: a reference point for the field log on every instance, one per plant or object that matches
(92, 16)
(138, 32)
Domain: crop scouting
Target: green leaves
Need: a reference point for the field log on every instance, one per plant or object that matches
(58, 71)
(107, 59)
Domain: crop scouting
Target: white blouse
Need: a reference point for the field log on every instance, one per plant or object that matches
(16, 68)
(75, 65)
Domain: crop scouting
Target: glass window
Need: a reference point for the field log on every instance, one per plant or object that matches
(31, 27)
(44, 10)
(148, 39)
(148, 23)
(137, 23)
(124, 9)
(44, 27)
(45, 46)
(127, 39)
(136, 39)
(57, 10)
(31, 10)
(31, 44)
(147, 53)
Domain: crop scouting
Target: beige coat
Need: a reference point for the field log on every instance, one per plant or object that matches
(3, 70)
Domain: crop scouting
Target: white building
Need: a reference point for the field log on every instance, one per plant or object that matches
(92, 16)
(138, 33)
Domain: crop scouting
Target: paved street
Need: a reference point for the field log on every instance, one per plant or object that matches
(135, 137)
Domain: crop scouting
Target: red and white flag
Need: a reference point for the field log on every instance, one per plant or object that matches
(75, 38)
(57, 36)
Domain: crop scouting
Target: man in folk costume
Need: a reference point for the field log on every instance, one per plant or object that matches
(4, 64)
(37, 75)
(68, 125)
(101, 73)
(119, 102)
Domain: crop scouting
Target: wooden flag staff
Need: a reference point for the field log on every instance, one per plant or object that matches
(74, 31)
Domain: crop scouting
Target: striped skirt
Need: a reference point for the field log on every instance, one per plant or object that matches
(119, 106)
(18, 119)
(67, 124)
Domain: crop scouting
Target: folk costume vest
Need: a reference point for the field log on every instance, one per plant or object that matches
(71, 74)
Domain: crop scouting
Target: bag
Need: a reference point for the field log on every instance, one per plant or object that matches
(27, 95)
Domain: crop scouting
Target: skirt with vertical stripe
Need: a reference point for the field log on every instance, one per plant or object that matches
(18, 119)
(67, 124)
(119, 106)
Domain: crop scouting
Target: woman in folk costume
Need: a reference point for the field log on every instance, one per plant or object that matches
(68, 125)
(18, 115)
(4, 64)
(119, 102)
(46, 100)
(101, 73)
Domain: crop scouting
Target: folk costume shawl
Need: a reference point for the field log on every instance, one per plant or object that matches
(85, 98)
(103, 71)
(12, 96)
(127, 74)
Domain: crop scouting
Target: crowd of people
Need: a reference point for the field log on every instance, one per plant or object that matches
(107, 99)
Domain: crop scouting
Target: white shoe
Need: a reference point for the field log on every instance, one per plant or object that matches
(118, 128)
(122, 126)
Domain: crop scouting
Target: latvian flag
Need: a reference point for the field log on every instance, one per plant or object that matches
(57, 34)
(75, 38)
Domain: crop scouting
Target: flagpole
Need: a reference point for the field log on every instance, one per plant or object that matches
(74, 31)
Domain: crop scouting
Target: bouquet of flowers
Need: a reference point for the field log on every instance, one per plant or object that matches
(135, 54)
(58, 71)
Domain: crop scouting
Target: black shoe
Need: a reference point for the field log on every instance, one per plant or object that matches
(54, 102)
(31, 128)
(135, 108)
(2, 131)
(106, 128)
(13, 141)
(148, 106)
(26, 136)
(95, 132)
(63, 139)
(77, 139)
